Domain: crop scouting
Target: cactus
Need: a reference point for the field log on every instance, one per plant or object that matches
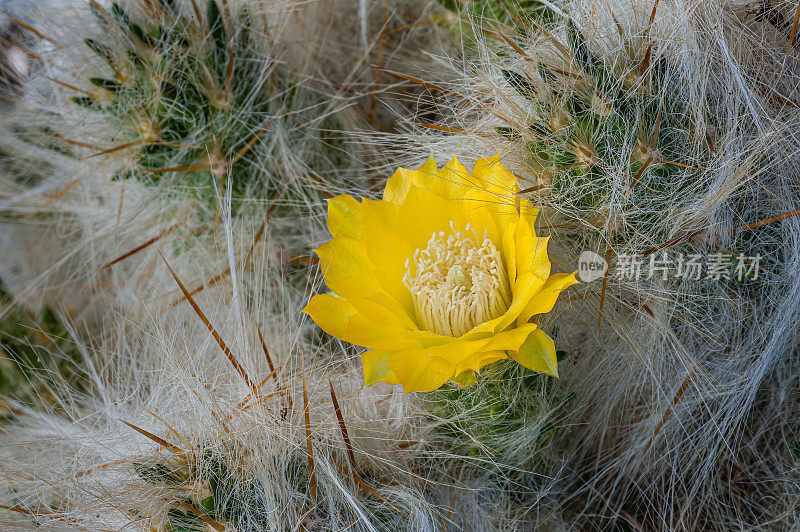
(35, 352)
(225, 494)
(675, 410)
(639, 144)
(196, 101)
(507, 11)
(216, 494)
(594, 125)
(504, 420)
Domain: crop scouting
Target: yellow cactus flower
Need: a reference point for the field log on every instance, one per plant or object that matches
(439, 278)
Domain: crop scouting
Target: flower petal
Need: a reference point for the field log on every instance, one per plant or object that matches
(344, 257)
(540, 263)
(523, 251)
(494, 176)
(387, 250)
(360, 322)
(424, 213)
(531, 250)
(344, 216)
(499, 187)
(397, 186)
(511, 339)
(545, 299)
(429, 209)
(376, 367)
(419, 371)
(481, 214)
(473, 355)
(331, 313)
(422, 369)
(380, 310)
(523, 291)
(510, 251)
(478, 360)
(537, 353)
(465, 378)
(454, 180)
(350, 274)
(525, 240)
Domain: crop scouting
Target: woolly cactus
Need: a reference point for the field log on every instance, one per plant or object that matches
(147, 114)
(507, 11)
(599, 129)
(245, 435)
(35, 349)
(647, 133)
(504, 421)
(193, 98)
(650, 150)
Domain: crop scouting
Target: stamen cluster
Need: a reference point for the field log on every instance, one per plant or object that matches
(458, 282)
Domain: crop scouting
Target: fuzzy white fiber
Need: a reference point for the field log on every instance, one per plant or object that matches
(685, 412)
(677, 408)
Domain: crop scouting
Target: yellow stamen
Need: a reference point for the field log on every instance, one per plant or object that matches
(458, 282)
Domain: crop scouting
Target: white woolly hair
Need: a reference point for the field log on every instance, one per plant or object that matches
(85, 244)
(157, 425)
(233, 405)
(685, 404)
(677, 407)
(64, 165)
(174, 413)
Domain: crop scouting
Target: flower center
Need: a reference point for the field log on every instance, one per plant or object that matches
(458, 282)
